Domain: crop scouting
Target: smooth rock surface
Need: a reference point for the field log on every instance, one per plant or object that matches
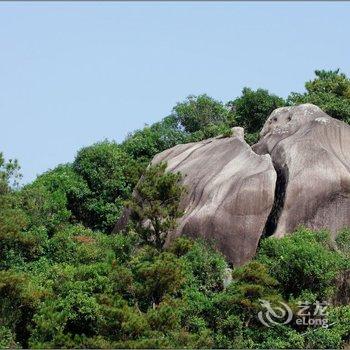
(230, 193)
(311, 154)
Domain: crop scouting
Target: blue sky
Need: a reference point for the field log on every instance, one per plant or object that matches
(74, 73)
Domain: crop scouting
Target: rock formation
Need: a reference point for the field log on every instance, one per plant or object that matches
(230, 193)
(311, 154)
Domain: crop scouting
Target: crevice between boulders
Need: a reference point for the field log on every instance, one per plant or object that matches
(278, 204)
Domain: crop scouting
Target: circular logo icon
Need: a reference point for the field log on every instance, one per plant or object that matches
(274, 315)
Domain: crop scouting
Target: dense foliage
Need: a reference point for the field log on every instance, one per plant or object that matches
(155, 204)
(144, 144)
(330, 90)
(67, 282)
(253, 108)
(198, 112)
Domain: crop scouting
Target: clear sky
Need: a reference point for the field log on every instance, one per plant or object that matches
(74, 73)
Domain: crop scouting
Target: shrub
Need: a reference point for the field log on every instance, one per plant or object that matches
(329, 90)
(205, 267)
(343, 241)
(7, 340)
(304, 260)
(156, 275)
(110, 175)
(253, 108)
(155, 205)
(197, 112)
(146, 143)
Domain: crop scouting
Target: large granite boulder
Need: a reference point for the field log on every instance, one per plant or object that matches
(230, 193)
(311, 154)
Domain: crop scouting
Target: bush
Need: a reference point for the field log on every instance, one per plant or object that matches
(146, 143)
(156, 276)
(73, 309)
(44, 208)
(7, 340)
(209, 131)
(18, 242)
(304, 260)
(253, 108)
(110, 175)
(78, 245)
(343, 241)
(197, 112)
(329, 90)
(155, 205)
(205, 267)
(19, 300)
(67, 191)
(9, 174)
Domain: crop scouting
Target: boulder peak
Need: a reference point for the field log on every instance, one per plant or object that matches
(311, 153)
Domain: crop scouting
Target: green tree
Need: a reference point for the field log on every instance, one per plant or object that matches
(144, 144)
(343, 241)
(7, 340)
(157, 275)
(9, 174)
(19, 299)
(44, 209)
(253, 107)
(197, 112)
(110, 174)
(204, 265)
(19, 241)
(73, 309)
(64, 185)
(329, 90)
(234, 311)
(155, 205)
(303, 261)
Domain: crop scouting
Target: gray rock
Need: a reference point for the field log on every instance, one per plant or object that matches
(227, 280)
(311, 154)
(230, 193)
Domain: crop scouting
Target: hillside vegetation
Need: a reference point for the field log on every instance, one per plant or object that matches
(67, 282)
